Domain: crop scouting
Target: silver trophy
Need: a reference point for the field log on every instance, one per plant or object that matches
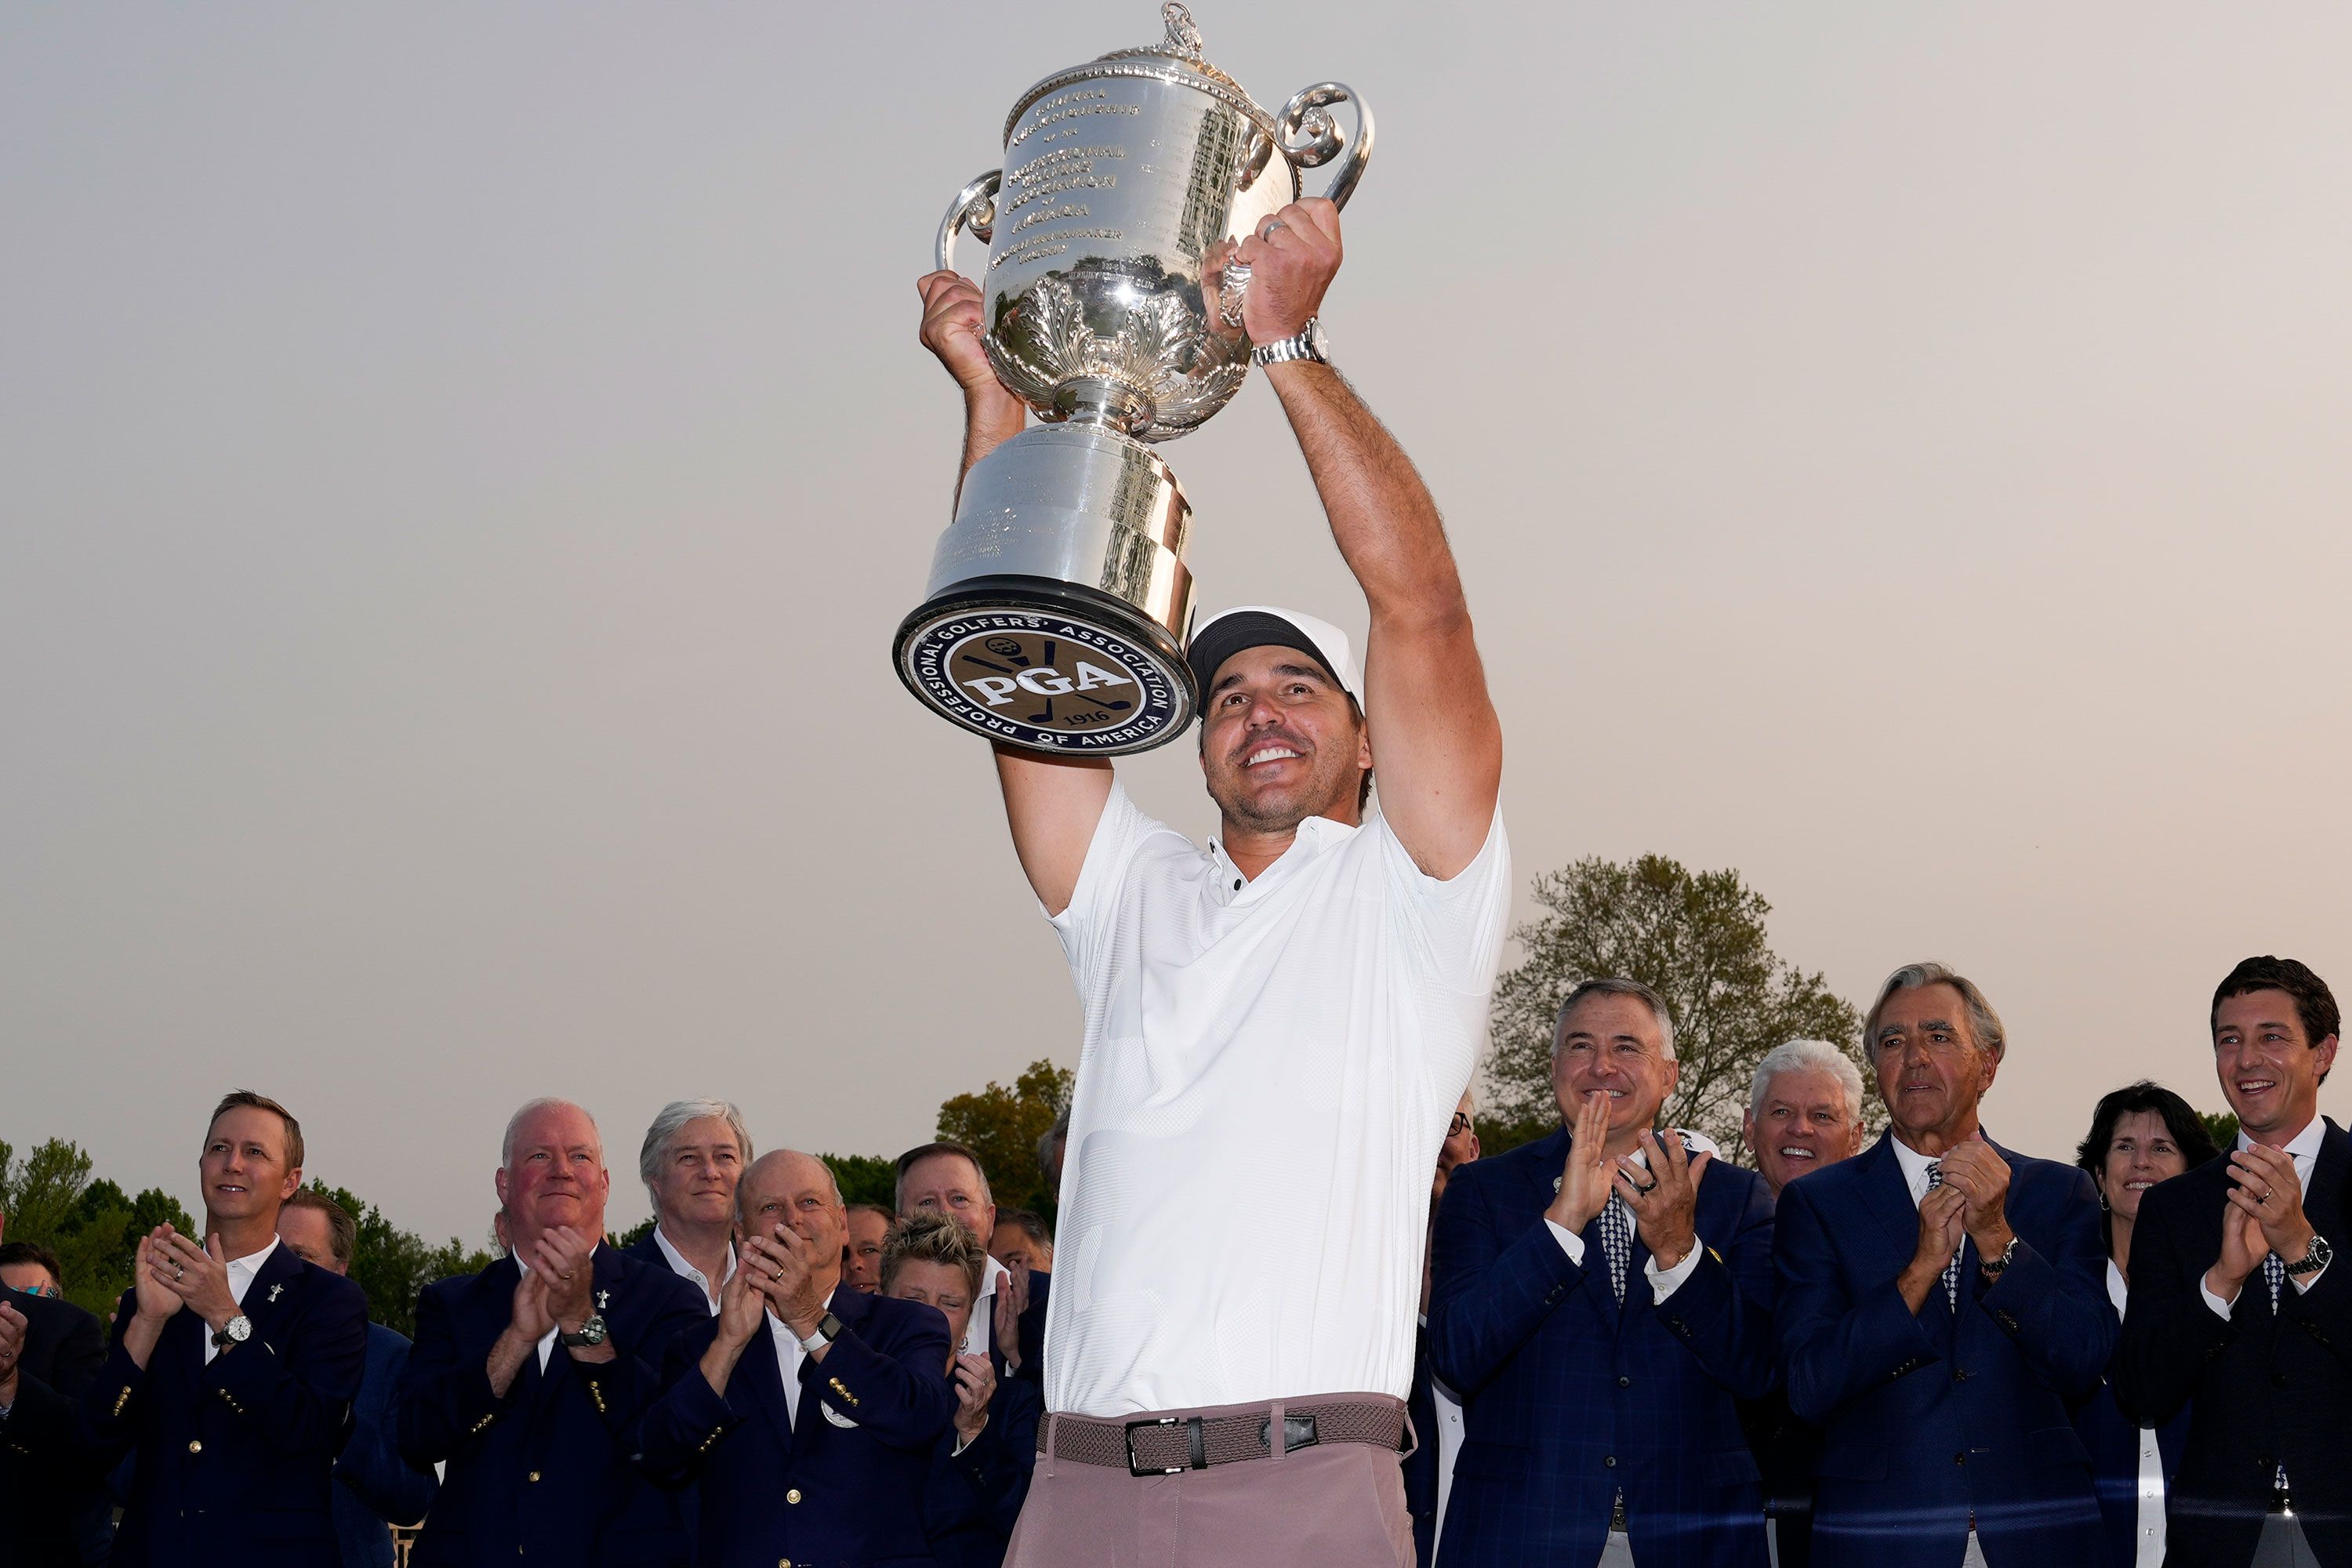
(1058, 604)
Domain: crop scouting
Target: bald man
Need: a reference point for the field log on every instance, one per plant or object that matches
(801, 1390)
(526, 1378)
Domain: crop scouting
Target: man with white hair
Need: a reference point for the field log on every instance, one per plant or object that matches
(1804, 1111)
(1275, 1023)
(1943, 1303)
(694, 1154)
(1603, 1300)
(526, 1379)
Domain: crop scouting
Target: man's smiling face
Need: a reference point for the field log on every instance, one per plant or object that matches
(1280, 740)
(2268, 1065)
(1804, 1125)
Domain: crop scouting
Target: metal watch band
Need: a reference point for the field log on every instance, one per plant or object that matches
(2313, 1260)
(2007, 1256)
(1304, 345)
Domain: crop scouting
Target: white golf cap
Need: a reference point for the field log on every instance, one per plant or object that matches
(1225, 634)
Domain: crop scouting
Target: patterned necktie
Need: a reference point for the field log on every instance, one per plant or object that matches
(2274, 1275)
(1951, 1269)
(1617, 1241)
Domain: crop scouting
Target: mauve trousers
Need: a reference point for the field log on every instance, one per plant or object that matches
(1334, 1502)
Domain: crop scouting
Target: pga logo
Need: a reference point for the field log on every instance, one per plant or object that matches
(997, 690)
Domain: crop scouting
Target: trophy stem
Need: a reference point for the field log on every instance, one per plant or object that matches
(1092, 400)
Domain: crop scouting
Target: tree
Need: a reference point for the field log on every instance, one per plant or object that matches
(865, 1178)
(2222, 1126)
(1697, 939)
(93, 1226)
(1003, 1125)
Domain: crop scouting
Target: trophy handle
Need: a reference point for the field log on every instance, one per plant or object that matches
(974, 208)
(1310, 138)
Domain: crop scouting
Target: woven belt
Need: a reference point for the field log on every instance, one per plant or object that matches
(1166, 1444)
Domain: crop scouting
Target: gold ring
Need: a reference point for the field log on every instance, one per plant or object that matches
(777, 1276)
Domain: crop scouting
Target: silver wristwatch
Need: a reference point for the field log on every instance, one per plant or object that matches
(236, 1332)
(2318, 1257)
(1309, 345)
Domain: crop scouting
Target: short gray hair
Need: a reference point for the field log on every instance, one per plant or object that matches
(1984, 1023)
(544, 1103)
(1612, 988)
(1801, 1056)
(672, 1120)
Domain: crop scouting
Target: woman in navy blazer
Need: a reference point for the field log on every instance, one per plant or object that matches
(2140, 1134)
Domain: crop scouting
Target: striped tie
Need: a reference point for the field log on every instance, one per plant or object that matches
(1951, 1269)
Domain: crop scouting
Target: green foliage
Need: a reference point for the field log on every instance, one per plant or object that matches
(1699, 940)
(50, 1197)
(2222, 1126)
(634, 1234)
(865, 1178)
(1003, 1126)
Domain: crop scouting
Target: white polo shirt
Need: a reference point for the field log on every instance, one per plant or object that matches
(1265, 1077)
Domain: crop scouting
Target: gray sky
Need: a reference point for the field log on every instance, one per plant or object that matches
(460, 469)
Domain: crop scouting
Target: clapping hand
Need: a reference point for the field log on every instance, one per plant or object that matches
(976, 1385)
(564, 1260)
(151, 1279)
(1585, 1180)
(1665, 1198)
(786, 1270)
(1976, 1169)
(2264, 1187)
(198, 1276)
(1012, 1301)
(13, 1329)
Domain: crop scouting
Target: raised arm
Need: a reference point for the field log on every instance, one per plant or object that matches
(1437, 748)
(1051, 803)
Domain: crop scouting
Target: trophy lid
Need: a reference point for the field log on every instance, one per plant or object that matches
(1177, 57)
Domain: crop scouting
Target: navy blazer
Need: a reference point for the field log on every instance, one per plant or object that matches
(1420, 1462)
(973, 1500)
(842, 1484)
(233, 1460)
(1568, 1397)
(2262, 1390)
(53, 1503)
(375, 1487)
(1928, 1420)
(546, 1470)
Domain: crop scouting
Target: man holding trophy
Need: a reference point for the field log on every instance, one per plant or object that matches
(1277, 1023)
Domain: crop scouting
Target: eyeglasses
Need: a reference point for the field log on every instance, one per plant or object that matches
(1458, 1126)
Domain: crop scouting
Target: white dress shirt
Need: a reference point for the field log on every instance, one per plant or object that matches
(241, 1272)
(2147, 1533)
(1663, 1282)
(789, 1356)
(1280, 1053)
(978, 1334)
(2304, 1150)
(685, 1270)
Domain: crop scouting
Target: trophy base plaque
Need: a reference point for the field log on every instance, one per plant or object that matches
(1058, 602)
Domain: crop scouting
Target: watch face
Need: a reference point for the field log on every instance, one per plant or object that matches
(240, 1329)
(1317, 343)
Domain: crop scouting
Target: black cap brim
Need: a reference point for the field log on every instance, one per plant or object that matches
(1229, 635)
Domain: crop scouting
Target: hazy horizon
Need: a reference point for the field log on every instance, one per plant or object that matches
(462, 470)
